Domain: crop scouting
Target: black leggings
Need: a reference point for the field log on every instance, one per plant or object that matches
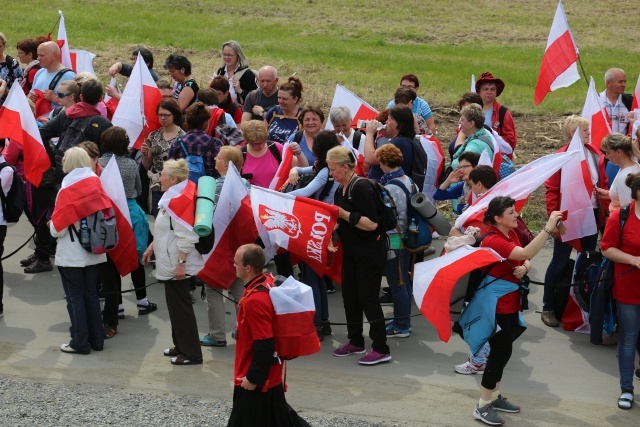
(501, 349)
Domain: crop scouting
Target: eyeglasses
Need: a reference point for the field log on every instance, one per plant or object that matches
(164, 116)
(62, 95)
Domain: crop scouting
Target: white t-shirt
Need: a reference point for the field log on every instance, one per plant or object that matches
(619, 192)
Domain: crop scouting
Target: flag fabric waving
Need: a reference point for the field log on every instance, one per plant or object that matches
(435, 164)
(576, 188)
(440, 284)
(519, 185)
(558, 68)
(124, 255)
(19, 125)
(63, 43)
(635, 108)
(233, 226)
(596, 115)
(136, 111)
(81, 194)
(473, 83)
(360, 110)
(82, 60)
(282, 173)
(180, 202)
(302, 226)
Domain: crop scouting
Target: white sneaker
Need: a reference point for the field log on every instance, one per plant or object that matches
(469, 368)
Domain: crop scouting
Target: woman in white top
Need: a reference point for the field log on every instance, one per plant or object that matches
(620, 151)
(6, 178)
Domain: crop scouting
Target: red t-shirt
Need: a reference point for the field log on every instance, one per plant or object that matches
(503, 245)
(256, 320)
(626, 284)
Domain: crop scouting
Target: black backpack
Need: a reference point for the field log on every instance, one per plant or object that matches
(272, 148)
(420, 159)
(13, 203)
(387, 213)
(304, 180)
(79, 130)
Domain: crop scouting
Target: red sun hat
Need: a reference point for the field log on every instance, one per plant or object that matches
(487, 77)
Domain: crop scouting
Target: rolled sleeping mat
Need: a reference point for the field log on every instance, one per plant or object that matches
(204, 206)
(423, 205)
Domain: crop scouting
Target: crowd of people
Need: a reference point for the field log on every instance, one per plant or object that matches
(333, 164)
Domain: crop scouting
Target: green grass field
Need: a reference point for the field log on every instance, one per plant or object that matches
(365, 46)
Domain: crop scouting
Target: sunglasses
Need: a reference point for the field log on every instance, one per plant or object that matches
(62, 95)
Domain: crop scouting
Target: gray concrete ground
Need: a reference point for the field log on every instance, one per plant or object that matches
(557, 377)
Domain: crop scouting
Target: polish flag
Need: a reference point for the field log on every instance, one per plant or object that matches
(81, 194)
(180, 202)
(282, 174)
(82, 60)
(435, 164)
(136, 111)
(233, 227)
(300, 225)
(360, 110)
(124, 255)
(440, 284)
(597, 116)
(294, 307)
(359, 156)
(519, 185)
(558, 68)
(576, 188)
(63, 43)
(19, 125)
(635, 108)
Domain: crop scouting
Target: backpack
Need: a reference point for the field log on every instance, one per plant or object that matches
(357, 136)
(271, 146)
(420, 159)
(195, 161)
(385, 206)
(627, 100)
(102, 232)
(292, 341)
(304, 180)
(13, 202)
(411, 240)
(79, 130)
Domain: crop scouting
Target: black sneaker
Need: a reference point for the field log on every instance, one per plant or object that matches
(38, 266)
(146, 309)
(28, 260)
(386, 298)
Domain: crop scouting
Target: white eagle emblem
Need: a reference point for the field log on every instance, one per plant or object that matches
(276, 220)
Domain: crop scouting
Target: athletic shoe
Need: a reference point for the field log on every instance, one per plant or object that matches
(625, 401)
(488, 415)
(373, 358)
(469, 368)
(501, 404)
(386, 298)
(637, 374)
(66, 348)
(390, 322)
(28, 260)
(326, 329)
(348, 349)
(121, 313)
(209, 341)
(38, 266)
(393, 332)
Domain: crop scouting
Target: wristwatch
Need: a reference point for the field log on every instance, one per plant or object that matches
(182, 261)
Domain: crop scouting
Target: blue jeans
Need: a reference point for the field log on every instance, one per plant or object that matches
(628, 328)
(395, 269)
(481, 358)
(561, 255)
(319, 288)
(80, 291)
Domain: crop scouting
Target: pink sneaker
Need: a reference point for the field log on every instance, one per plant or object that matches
(373, 358)
(347, 350)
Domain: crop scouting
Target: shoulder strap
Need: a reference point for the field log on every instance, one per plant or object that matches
(327, 187)
(186, 153)
(501, 113)
(243, 149)
(58, 77)
(274, 150)
(627, 100)
(357, 135)
(207, 148)
(254, 97)
(298, 136)
(9, 61)
(624, 215)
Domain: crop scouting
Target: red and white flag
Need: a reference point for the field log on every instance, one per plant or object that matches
(473, 83)
(180, 202)
(440, 284)
(233, 226)
(635, 108)
(19, 125)
(282, 173)
(63, 43)
(360, 110)
(136, 111)
(519, 185)
(295, 309)
(124, 255)
(82, 60)
(558, 68)
(435, 164)
(576, 189)
(596, 114)
(302, 226)
(81, 194)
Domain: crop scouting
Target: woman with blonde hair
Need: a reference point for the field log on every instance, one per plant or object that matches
(262, 157)
(620, 151)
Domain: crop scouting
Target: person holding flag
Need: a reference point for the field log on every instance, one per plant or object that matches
(364, 257)
(596, 176)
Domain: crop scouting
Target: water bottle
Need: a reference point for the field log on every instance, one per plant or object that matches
(84, 233)
(386, 200)
(412, 238)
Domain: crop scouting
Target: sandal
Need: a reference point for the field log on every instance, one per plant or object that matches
(171, 352)
(182, 360)
(146, 309)
(109, 332)
(624, 401)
